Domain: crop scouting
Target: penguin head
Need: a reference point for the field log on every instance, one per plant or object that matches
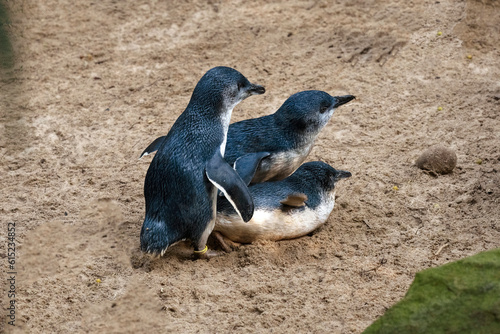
(309, 111)
(318, 172)
(223, 88)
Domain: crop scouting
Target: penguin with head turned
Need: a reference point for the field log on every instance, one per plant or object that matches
(272, 147)
(285, 209)
(182, 180)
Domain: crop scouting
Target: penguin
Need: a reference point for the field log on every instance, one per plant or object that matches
(271, 147)
(285, 209)
(182, 180)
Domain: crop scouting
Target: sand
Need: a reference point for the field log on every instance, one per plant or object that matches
(94, 82)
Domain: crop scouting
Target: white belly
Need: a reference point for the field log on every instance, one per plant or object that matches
(225, 118)
(276, 224)
(281, 164)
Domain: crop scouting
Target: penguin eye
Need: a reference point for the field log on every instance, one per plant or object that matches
(240, 84)
(323, 109)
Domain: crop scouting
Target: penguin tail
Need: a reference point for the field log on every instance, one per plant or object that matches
(154, 237)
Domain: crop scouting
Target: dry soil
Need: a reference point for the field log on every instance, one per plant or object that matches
(94, 82)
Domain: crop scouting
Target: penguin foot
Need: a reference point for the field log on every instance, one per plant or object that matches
(207, 255)
(227, 245)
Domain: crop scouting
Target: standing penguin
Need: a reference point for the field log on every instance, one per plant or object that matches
(180, 186)
(271, 147)
(284, 209)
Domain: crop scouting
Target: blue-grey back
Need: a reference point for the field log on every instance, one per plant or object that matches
(253, 135)
(178, 168)
(312, 179)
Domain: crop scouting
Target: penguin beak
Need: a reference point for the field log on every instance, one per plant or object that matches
(342, 174)
(256, 89)
(340, 100)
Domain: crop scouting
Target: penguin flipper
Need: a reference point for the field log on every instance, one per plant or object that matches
(225, 178)
(154, 146)
(247, 165)
(296, 200)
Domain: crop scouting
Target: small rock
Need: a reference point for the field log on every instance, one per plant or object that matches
(437, 159)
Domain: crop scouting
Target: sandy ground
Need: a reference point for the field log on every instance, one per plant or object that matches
(94, 82)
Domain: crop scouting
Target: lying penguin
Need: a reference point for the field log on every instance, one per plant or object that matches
(284, 209)
(271, 147)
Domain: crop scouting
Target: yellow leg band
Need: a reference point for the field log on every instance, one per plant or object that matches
(202, 251)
